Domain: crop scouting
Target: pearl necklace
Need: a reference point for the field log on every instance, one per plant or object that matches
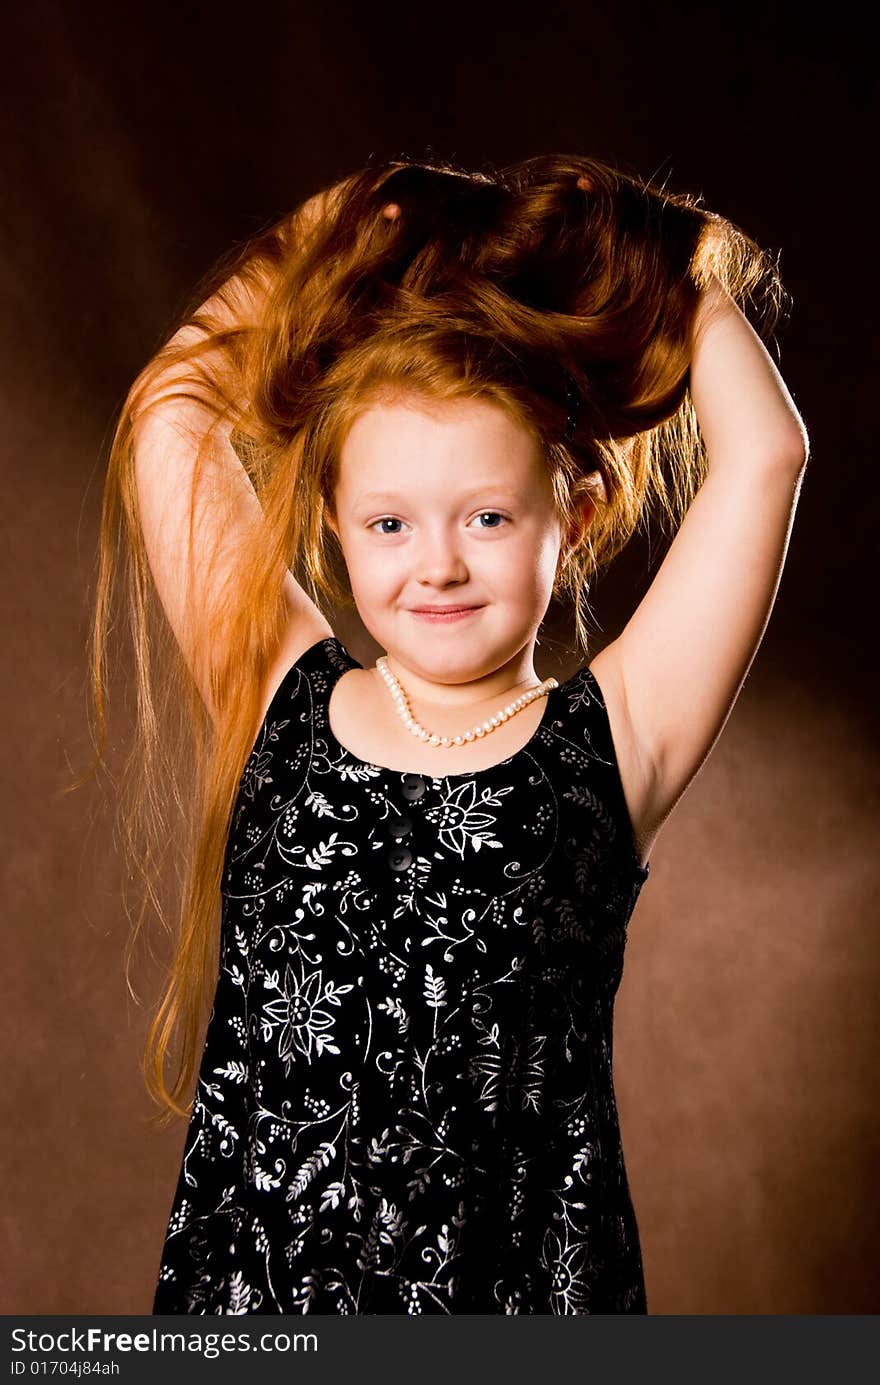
(482, 729)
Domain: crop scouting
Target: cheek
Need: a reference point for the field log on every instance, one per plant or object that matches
(532, 565)
(371, 571)
(550, 554)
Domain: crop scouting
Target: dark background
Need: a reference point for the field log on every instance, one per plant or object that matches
(139, 143)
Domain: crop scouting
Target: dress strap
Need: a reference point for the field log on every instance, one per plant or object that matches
(589, 725)
(325, 656)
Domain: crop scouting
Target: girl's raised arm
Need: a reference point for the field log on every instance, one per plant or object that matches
(681, 660)
(195, 521)
(191, 566)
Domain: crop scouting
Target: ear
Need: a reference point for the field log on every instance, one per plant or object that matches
(589, 492)
(593, 485)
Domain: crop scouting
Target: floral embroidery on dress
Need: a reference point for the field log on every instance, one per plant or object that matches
(405, 1101)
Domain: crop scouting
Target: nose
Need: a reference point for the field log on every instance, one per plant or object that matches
(441, 561)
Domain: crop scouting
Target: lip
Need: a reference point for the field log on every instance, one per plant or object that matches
(444, 614)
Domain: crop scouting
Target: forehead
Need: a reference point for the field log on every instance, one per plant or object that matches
(411, 443)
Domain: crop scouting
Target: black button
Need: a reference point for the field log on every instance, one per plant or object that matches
(401, 827)
(400, 857)
(413, 787)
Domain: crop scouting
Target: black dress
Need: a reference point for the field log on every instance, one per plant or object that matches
(405, 1100)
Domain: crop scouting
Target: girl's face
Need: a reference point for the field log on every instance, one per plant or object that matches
(447, 504)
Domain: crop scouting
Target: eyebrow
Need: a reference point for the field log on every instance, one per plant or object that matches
(475, 490)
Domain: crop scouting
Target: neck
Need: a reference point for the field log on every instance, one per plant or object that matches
(508, 682)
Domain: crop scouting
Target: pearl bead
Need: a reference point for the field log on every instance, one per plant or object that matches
(502, 715)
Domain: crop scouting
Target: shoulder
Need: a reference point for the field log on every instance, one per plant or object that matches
(296, 651)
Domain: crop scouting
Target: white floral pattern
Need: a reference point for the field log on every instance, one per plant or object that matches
(405, 1100)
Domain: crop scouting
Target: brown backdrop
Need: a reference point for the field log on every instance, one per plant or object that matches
(138, 143)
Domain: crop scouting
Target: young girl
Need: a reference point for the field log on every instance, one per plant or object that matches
(465, 391)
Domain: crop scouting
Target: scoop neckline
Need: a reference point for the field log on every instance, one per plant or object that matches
(459, 775)
(301, 664)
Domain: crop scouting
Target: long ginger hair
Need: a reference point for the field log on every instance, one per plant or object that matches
(560, 288)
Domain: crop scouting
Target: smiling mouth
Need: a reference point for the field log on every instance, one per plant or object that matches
(441, 613)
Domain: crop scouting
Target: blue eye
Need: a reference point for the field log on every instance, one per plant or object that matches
(389, 519)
